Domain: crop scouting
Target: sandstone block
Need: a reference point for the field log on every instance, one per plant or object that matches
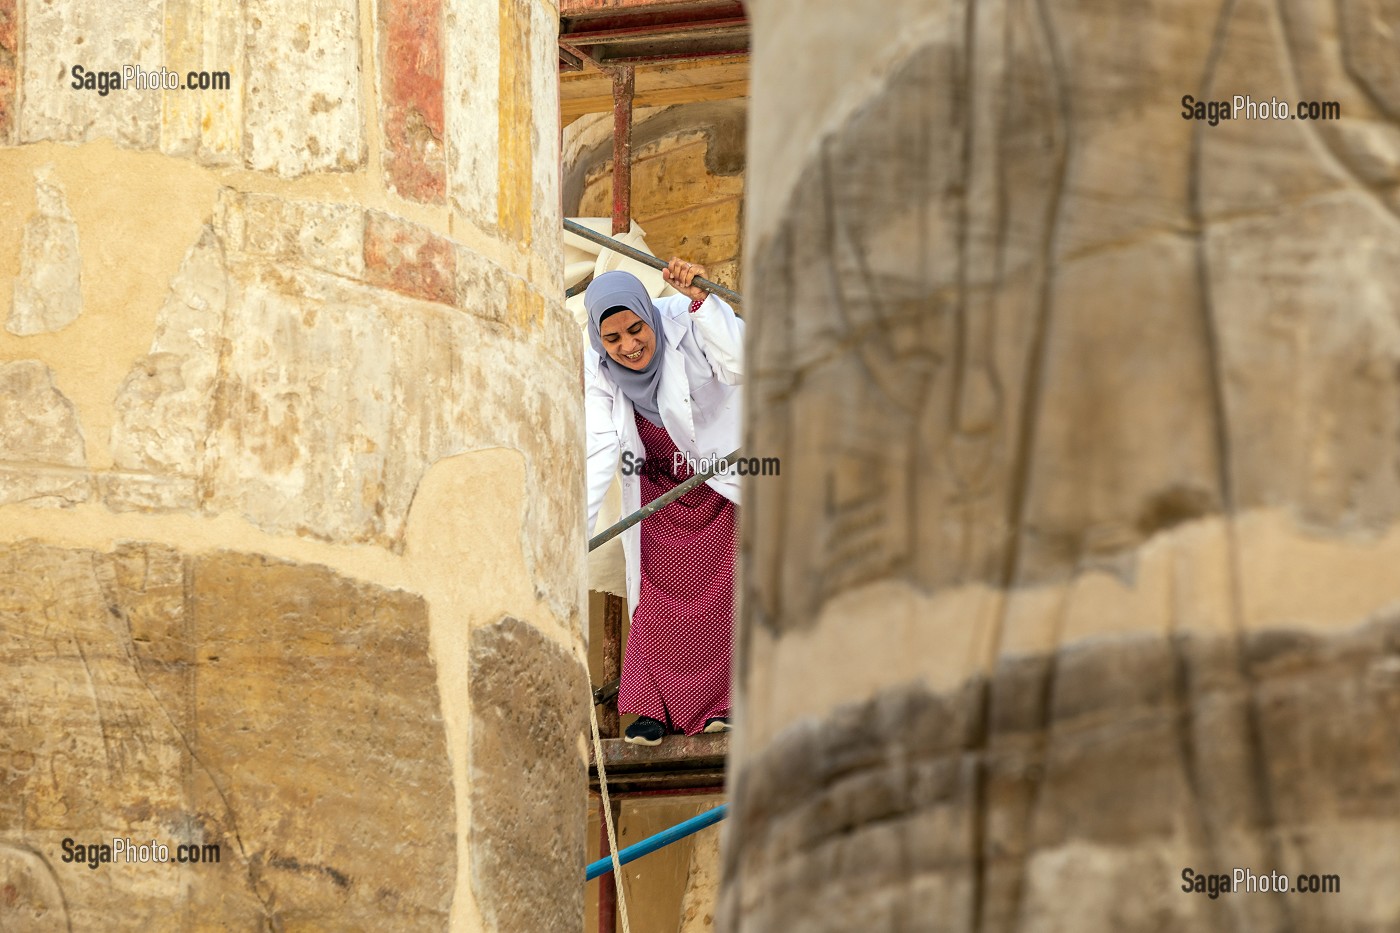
(702, 885)
(47, 292)
(515, 119)
(411, 49)
(207, 125)
(42, 458)
(1126, 380)
(1140, 764)
(526, 722)
(101, 38)
(542, 141)
(409, 259)
(9, 61)
(303, 111)
(33, 897)
(279, 711)
(312, 360)
(470, 91)
(163, 404)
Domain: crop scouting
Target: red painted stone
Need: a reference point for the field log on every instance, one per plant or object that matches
(409, 259)
(9, 62)
(414, 158)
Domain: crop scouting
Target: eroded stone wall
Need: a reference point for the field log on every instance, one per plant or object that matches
(221, 699)
(289, 459)
(1081, 568)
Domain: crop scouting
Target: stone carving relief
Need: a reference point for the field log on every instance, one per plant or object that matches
(298, 336)
(525, 691)
(1069, 344)
(258, 705)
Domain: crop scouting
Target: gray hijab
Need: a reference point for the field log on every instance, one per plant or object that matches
(610, 290)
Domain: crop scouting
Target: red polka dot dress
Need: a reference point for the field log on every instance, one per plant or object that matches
(676, 665)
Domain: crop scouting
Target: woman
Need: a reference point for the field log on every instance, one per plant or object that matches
(662, 385)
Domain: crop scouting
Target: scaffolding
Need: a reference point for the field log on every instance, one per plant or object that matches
(637, 46)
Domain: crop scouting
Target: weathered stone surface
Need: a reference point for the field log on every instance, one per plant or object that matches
(542, 140)
(163, 404)
(1143, 757)
(205, 35)
(314, 359)
(411, 56)
(702, 885)
(314, 47)
(32, 895)
(48, 290)
(472, 122)
(9, 67)
(1085, 385)
(42, 459)
(278, 710)
(292, 105)
(288, 369)
(969, 339)
(99, 37)
(1312, 370)
(1343, 52)
(526, 727)
(327, 237)
(409, 259)
(516, 119)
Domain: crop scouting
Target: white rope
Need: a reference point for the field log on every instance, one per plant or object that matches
(607, 815)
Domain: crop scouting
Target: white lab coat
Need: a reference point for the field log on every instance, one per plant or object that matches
(699, 399)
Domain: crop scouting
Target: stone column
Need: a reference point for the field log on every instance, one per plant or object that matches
(1081, 569)
(289, 468)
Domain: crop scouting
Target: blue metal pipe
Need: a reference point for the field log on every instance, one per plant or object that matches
(660, 840)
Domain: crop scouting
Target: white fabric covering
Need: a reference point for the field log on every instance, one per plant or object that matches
(582, 258)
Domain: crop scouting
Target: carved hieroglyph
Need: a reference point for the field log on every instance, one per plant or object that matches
(290, 550)
(311, 361)
(1081, 567)
(228, 700)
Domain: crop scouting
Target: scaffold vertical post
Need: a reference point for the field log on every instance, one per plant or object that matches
(614, 610)
(624, 85)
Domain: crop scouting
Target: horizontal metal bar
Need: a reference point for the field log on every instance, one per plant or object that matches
(696, 30)
(677, 752)
(570, 9)
(709, 790)
(606, 692)
(660, 840)
(659, 503)
(671, 58)
(647, 258)
(651, 781)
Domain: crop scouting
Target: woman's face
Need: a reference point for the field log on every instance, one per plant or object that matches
(628, 339)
